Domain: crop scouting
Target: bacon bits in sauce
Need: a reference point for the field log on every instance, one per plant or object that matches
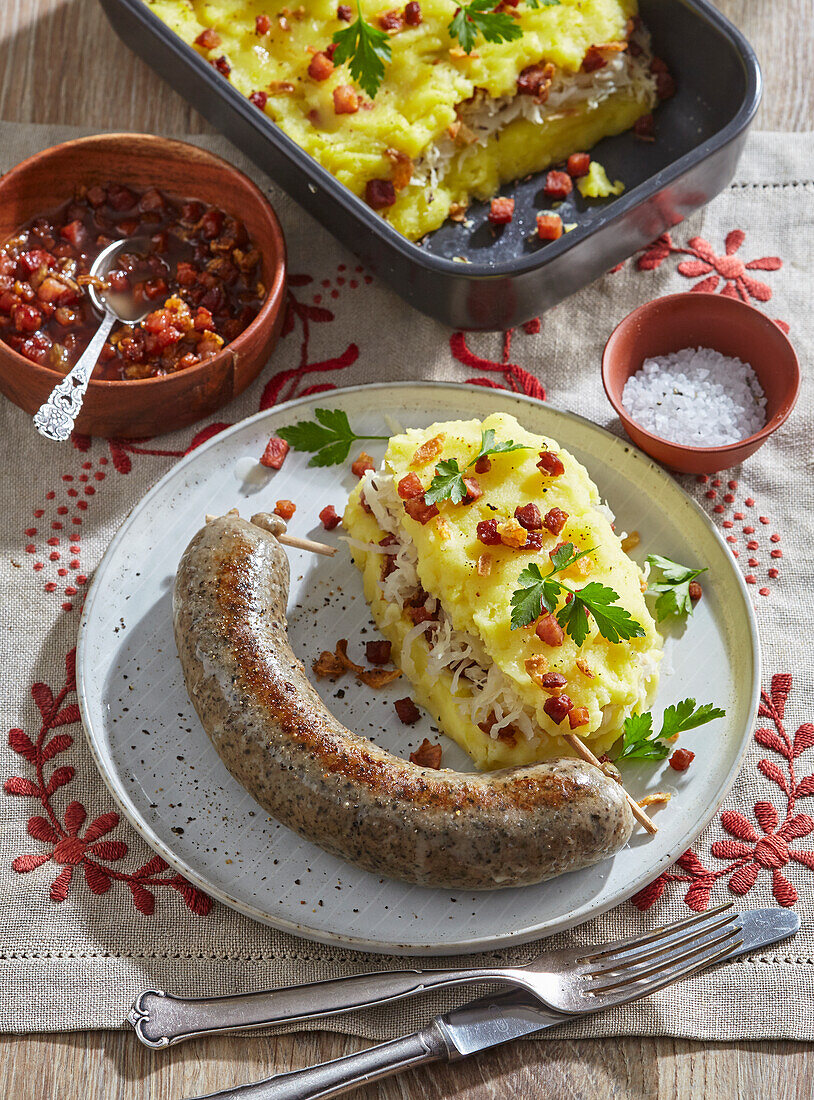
(202, 273)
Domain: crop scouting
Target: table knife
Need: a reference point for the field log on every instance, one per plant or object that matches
(481, 1024)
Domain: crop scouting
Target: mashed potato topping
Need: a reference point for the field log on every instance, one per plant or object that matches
(445, 127)
(449, 621)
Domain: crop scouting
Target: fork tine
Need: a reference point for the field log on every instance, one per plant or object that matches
(632, 978)
(661, 949)
(664, 932)
(634, 992)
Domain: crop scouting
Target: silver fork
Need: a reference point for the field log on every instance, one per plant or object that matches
(573, 981)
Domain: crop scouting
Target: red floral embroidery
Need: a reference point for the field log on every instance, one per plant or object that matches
(751, 851)
(704, 262)
(70, 846)
(515, 378)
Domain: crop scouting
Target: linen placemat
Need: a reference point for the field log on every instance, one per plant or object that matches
(88, 916)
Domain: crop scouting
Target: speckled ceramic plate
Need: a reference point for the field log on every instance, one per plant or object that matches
(162, 770)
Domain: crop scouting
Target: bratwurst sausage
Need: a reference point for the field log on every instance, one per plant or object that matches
(336, 788)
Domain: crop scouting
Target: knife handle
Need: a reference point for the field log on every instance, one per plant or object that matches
(161, 1020)
(342, 1075)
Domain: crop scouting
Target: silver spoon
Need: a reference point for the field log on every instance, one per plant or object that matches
(55, 418)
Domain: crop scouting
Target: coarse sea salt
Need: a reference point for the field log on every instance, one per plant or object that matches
(696, 397)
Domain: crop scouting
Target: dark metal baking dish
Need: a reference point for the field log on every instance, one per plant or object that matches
(508, 276)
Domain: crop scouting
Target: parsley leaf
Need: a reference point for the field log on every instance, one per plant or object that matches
(673, 590)
(639, 741)
(330, 437)
(367, 48)
(448, 483)
(543, 3)
(542, 591)
(479, 15)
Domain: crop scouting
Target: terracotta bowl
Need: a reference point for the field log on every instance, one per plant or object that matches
(730, 327)
(149, 406)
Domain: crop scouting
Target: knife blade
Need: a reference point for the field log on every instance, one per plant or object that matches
(490, 1021)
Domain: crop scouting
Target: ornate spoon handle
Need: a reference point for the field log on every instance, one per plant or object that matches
(55, 418)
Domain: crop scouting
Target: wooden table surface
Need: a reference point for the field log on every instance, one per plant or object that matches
(62, 64)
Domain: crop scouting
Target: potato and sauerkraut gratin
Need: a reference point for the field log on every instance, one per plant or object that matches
(426, 113)
(456, 552)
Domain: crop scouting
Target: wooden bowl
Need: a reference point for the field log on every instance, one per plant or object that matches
(690, 320)
(148, 406)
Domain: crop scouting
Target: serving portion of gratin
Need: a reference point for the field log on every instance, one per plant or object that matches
(445, 126)
(441, 582)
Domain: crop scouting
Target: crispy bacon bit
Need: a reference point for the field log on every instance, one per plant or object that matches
(657, 798)
(665, 85)
(554, 683)
(427, 755)
(285, 509)
(645, 128)
(536, 80)
(274, 455)
(259, 99)
(578, 716)
(550, 463)
(363, 463)
(379, 194)
(457, 212)
(402, 167)
(378, 678)
(487, 532)
(578, 165)
(410, 487)
(346, 101)
(483, 465)
(558, 185)
(484, 566)
(428, 451)
(549, 227)
(696, 591)
(529, 517)
(512, 533)
(223, 67)
(537, 667)
(473, 490)
(418, 510)
(408, 713)
(391, 21)
(593, 60)
(557, 707)
(320, 67)
(583, 668)
(554, 521)
(548, 630)
(208, 39)
(262, 24)
(344, 12)
(631, 541)
(377, 653)
(412, 14)
(329, 518)
(501, 211)
(534, 541)
(681, 760)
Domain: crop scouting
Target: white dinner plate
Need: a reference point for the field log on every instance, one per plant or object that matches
(171, 784)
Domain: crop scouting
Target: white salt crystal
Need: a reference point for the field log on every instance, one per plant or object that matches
(696, 397)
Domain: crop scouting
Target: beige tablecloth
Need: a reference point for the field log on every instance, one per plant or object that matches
(87, 915)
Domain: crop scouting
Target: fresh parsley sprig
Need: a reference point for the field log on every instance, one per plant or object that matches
(330, 437)
(480, 16)
(540, 590)
(448, 482)
(639, 740)
(367, 48)
(673, 590)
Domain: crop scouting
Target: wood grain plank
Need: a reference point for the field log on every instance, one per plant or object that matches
(62, 63)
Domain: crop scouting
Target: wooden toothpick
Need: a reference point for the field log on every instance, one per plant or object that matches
(586, 754)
